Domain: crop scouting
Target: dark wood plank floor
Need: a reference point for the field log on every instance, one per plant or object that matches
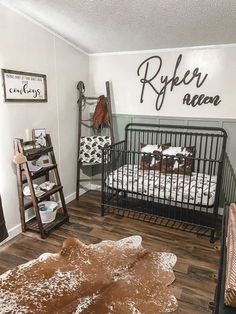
(197, 258)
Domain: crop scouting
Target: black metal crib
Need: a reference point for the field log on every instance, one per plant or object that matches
(186, 199)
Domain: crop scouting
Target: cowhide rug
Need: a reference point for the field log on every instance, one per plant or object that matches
(109, 277)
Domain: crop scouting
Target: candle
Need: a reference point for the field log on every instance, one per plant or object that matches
(27, 134)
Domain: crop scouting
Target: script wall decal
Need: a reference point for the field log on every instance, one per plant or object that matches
(169, 83)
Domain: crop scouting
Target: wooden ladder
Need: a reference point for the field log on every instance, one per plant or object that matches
(82, 102)
(24, 176)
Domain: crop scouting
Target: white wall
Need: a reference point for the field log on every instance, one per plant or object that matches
(27, 47)
(121, 69)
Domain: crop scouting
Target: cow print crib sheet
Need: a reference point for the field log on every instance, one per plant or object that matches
(91, 148)
(197, 188)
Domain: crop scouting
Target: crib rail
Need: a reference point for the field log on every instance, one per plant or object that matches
(228, 182)
(210, 142)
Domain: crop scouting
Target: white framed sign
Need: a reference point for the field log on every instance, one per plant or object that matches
(39, 135)
(24, 86)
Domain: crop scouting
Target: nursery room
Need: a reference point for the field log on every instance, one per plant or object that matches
(118, 186)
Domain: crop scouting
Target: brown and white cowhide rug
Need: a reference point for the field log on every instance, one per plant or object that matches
(109, 277)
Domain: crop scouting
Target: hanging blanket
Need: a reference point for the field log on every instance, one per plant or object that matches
(111, 277)
(91, 148)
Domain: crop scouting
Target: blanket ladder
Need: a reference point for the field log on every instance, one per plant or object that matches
(83, 103)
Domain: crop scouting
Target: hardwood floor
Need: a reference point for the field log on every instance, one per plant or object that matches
(197, 258)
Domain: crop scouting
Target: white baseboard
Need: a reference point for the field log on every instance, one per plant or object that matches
(70, 197)
(13, 232)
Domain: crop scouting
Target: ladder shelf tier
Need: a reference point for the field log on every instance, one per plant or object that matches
(32, 224)
(40, 173)
(28, 203)
(34, 153)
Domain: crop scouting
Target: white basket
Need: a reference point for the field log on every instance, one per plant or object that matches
(48, 216)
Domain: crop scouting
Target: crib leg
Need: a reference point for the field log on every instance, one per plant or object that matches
(102, 210)
(212, 238)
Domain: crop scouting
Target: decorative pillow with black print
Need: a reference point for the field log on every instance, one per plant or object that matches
(91, 148)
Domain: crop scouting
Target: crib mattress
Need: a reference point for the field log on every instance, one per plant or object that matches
(197, 188)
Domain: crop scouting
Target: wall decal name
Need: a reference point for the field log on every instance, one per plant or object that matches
(172, 82)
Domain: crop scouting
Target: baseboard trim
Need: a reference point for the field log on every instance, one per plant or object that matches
(13, 232)
(70, 197)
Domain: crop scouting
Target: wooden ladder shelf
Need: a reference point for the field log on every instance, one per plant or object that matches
(24, 176)
(82, 102)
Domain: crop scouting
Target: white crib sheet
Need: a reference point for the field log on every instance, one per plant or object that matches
(196, 189)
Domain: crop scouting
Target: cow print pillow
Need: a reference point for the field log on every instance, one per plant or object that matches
(178, 160)
(167, 158)
(151, 155)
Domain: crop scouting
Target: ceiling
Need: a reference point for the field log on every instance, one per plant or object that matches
(126, 25)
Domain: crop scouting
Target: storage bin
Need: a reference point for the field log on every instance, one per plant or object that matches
(48, 214)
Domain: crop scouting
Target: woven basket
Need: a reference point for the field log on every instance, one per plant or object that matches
(48, 216)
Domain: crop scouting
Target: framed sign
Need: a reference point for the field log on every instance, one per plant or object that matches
(24, 86)
(39, 135)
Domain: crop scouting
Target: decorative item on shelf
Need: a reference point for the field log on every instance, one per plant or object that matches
(19, 159)
(30, 145)
(38, 192)
(28, 135)
(33, 167)
(39, 136)
(44, 161)
(48, 211)
(47, 186)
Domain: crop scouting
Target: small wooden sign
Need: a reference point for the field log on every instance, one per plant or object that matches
(24, 86)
